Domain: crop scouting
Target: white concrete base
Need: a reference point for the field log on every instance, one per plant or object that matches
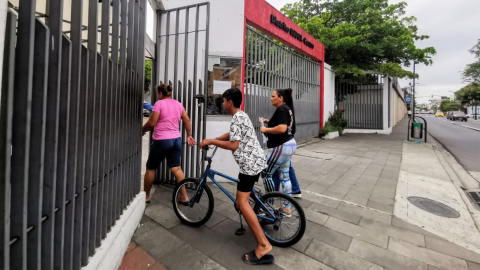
(331, 135)
(423, 175)
(369, 131)
(110, 254)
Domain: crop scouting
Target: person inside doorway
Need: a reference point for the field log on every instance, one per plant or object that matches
(281, 144)
(167, 140)
(249, 155)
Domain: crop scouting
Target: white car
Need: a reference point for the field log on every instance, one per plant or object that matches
(472, 115)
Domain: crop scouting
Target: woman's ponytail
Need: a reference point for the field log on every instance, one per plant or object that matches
(165, 89)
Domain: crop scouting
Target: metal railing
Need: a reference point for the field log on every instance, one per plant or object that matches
(270, 65)
(362, 99)
(70, 134)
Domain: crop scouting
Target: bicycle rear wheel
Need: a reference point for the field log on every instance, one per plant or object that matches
(291, 224)
(200, 205)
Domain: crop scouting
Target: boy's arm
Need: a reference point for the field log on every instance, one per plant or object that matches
(233, 146)
(224, 137)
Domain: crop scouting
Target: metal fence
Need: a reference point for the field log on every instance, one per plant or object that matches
(362, 99)
(70, 134)
(182, 46)
(270, 65)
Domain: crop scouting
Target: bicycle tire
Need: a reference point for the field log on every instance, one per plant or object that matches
(301, 213)
(209, 194)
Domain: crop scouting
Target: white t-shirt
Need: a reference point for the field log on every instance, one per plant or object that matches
(249, 154)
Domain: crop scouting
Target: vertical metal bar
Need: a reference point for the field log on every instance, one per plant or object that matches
(22, 98)
(55, 12)
(105, 38)
(122, 93)
(97, 175)
(186, 94)
(175, 63)
(36, 155)
(72, 155)
(93, 134)
(141, 61)
(63, 138)
(115, 113)
(191, 109)
(195, 60)
(6, 115)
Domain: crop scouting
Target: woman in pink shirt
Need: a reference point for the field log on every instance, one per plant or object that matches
(167, 139)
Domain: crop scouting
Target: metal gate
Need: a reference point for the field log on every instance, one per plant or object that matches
(270, 65)
(362, 99)
(182, 56)
(70, 129)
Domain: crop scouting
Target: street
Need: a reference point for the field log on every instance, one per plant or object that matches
(459, 138)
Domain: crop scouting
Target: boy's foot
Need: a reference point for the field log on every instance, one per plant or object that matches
(286, 211)
(297, 194)
(259, 255)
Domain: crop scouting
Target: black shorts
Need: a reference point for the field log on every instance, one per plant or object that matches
(246, 182)
(171, 149)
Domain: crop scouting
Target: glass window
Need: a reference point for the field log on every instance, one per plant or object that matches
(223, 73)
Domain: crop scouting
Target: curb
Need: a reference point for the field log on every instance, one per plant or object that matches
(476, 129)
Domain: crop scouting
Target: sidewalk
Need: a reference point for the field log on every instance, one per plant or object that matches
(355, 191)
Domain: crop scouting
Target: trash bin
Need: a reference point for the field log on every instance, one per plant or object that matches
(417, 130)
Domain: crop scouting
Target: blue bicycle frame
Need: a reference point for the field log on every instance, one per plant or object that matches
(211, 174)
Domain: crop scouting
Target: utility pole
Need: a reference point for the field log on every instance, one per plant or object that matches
(413, 94)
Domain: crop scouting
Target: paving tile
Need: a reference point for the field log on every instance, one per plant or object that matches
(288, 258)
(230, 256)
(157, 266)
(320, 199)
(361, 211)
(227, 228)
(387, 208)
(317, 188)
(163, 243)
(130, 247)
(452, 249)
(363, 188)
(337, 213)
(364, 195)
(187, 257)
(215, 219)
(354, 199)
(336, 258)
(202, 238)
(324, 234)
(304, 203)
(137, 259)
(335, 194)
(431, 267)
(383, 257)
(473, 266)
(408, 226)
(315, 217)
(399, 233)
(163, 215)
(426, 255)
(381, 199)
(386, 183)
(355, 231)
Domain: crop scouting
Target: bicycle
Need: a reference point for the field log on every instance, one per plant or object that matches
(269, 207)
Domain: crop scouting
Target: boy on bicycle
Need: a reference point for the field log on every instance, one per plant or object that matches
(249, 155)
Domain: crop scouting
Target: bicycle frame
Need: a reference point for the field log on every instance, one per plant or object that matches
(209, 173)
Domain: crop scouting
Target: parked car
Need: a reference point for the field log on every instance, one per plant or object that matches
(472, 115)
(439, 114)
(458, 116)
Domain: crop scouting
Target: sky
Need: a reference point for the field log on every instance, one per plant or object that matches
(453, 27)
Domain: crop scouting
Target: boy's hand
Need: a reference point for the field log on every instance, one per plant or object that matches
(263, 129)
(205, 142)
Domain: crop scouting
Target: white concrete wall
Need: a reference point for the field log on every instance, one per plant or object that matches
(223, 160)
(3, 19)
(328, 92)
(226, 24)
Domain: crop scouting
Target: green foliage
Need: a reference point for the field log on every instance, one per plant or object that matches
(362, 35)
(148, 76)
(467, 94)
(449, 105)
(335, 122)
(471, 73)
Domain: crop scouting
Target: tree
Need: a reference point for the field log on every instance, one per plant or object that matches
(448, 105)
(471, 73)
(362, 35)
(468, 94)
(148, 76)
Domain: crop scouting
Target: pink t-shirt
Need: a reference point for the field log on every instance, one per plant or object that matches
(168, 126)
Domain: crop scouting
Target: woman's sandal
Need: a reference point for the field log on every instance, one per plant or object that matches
(253, 260)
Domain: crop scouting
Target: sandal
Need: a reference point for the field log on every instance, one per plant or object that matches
(187, 203)
(253, 260)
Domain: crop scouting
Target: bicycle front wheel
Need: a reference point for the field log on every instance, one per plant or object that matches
(192, 204)
(290, 222)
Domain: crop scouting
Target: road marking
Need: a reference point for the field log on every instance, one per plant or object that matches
(477, 129)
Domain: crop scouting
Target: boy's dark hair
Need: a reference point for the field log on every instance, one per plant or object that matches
(234, 95)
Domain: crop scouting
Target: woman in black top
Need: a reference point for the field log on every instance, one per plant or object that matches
(281, 144)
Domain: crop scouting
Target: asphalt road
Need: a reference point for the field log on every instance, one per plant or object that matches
(458, 139)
